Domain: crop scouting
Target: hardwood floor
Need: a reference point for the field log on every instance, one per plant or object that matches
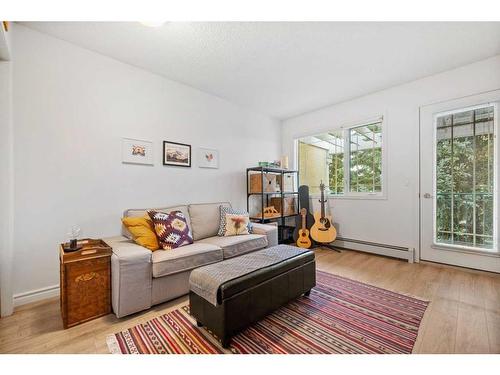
(463, 316)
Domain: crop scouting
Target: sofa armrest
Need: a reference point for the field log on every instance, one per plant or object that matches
(271, 231)
(131, 276)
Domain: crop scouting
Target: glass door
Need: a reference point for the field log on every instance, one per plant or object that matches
(459, 182)
(465, 179)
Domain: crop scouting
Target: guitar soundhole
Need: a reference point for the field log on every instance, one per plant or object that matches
(326, 223)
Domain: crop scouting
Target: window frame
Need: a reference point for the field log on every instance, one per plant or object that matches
(382, 195)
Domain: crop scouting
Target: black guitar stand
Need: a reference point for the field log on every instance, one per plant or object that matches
(316, 245)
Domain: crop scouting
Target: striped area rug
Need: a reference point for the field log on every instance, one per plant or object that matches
(340, 316)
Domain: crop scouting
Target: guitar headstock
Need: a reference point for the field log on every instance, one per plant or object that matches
(322, 186)
(303, 211)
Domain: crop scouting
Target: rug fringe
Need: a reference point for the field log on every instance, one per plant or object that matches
(113, 346)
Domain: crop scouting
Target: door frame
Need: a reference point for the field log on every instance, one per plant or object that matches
(447, 255)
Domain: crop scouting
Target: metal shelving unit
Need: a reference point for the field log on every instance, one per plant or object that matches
(284, 230)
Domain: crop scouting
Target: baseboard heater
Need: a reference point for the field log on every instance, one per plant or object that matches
(400, 252)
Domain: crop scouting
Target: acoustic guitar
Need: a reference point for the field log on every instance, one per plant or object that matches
(303, 203)
(323, 230)
(304, 241)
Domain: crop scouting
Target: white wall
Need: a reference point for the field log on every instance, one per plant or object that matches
(71, 109)
(6, 188)
(394, 220)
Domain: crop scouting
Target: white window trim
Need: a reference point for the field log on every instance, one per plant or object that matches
(345, 133)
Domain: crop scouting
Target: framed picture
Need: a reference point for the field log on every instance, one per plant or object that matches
(208, 158)
(177, 154)
(136, 151)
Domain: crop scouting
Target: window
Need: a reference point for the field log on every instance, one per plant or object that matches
(348, 161)
(464, 178)
(365, 158)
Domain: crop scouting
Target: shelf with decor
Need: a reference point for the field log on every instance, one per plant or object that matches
(272, 196)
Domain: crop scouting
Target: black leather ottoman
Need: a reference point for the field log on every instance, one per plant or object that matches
(247, 299)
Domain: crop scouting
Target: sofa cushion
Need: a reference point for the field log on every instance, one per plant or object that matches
(269, 230)
(140, 212)
(237, 245)
(205, 219)
(185, 258)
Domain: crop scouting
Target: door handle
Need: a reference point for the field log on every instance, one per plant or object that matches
(427, 195)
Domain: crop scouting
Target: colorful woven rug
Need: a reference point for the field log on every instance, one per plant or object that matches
(340, 316)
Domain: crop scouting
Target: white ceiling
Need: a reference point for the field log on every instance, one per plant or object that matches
(283, 69)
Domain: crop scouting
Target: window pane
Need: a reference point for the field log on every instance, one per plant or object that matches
(465, 178)
(484, 220)
(463, 118)
(463, 214)
(443, 201)
(336, 159)
(365, 159)
(484, 157)
(444, 160)
(321, 158)
(463, 158)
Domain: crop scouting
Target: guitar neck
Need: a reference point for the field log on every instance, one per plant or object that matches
(303, 222)
(323, 202)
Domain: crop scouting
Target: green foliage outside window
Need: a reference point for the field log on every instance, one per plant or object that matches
(336, 173)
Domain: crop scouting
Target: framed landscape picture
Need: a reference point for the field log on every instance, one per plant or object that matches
(208, 158)
(177, 154)
(137, 151)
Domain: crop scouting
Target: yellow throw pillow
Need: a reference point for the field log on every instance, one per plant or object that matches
(143, 231)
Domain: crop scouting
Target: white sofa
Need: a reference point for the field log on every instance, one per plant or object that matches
(141, 278)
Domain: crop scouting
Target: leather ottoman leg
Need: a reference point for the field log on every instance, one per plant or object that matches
(225, 342)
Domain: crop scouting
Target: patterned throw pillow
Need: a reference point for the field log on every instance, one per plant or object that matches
(172, 229)
(236, 224)
(229, 210)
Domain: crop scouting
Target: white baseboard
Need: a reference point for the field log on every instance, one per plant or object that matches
(376, 248)
(36, 295)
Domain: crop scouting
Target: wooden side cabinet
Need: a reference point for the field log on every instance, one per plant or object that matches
(85, 283)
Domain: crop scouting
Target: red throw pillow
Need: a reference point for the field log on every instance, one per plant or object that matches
(172, 229)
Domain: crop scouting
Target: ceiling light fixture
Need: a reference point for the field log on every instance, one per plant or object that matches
(153, 23)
